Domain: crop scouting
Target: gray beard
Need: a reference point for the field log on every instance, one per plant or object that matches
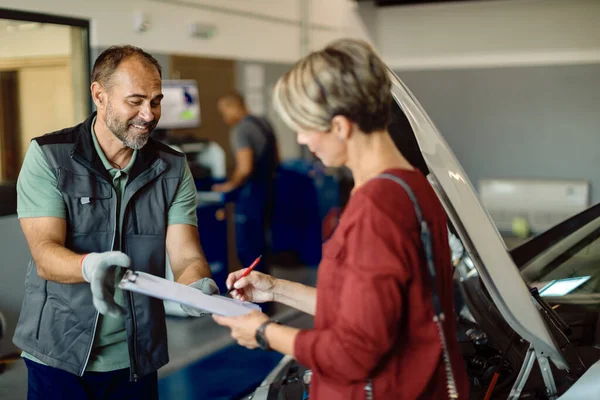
(121, 131)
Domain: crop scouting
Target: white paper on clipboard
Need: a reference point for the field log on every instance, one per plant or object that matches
(154, 286)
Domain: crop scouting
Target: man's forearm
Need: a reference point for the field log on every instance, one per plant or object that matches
(57, 263)
(196, 269)
(238, 177)
(296, 295)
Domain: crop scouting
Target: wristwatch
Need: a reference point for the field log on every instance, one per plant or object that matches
(261, 339)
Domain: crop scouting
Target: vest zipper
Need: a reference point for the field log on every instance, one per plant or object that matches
(97, 317)
(133, 348)
(132, 306)
(134, 334)
(87, 359)
(37, 333)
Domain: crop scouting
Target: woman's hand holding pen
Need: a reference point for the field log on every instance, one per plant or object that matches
(256, 287)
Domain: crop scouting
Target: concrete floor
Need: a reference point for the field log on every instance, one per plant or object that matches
(190, 339)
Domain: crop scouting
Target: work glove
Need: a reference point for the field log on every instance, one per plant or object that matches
(206, 286)
(99, 270)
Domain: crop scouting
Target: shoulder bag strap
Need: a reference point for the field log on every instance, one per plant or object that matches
(438, 317)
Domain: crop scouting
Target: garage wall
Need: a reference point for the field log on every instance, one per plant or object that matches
(267, 30)
(517, 122)
(487, 33)
(286, 139)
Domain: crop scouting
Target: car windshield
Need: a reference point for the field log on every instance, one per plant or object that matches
(570, 267)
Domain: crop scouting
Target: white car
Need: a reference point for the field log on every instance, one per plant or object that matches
(536, 305)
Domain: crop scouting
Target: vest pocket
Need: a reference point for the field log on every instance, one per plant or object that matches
(39, 321)
(88, 201)
(133, 216)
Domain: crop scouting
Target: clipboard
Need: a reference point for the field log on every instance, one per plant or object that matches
(153, 286)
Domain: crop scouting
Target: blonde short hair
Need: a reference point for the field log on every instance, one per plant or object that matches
(345, 78)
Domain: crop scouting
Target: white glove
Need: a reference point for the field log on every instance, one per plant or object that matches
(207, 286)
(99, 270)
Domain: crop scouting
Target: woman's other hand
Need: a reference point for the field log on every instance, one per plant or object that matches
(243, 328)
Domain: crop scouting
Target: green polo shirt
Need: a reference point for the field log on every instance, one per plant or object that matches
(38, 196)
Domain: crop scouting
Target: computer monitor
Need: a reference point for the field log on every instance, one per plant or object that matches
(180, 105)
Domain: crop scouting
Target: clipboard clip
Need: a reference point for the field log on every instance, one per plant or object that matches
(130, 276)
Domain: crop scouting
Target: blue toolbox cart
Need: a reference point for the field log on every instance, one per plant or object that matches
(212, 228)
(210, 208)
(307, 201)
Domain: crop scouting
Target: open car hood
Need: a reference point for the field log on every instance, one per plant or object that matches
(479, 235)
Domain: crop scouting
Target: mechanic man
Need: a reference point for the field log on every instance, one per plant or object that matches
(256, 160)
(93, 200)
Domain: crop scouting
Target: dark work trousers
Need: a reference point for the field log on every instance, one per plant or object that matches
(253, 209)
(50, 383)
(252, 220)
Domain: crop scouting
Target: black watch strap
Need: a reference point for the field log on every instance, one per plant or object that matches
(261, 339)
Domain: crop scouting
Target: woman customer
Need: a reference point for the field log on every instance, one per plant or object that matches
(374, 303)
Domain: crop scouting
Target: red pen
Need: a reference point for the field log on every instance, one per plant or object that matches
(247, 271)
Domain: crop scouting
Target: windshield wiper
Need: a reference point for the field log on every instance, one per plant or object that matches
(552, 315)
